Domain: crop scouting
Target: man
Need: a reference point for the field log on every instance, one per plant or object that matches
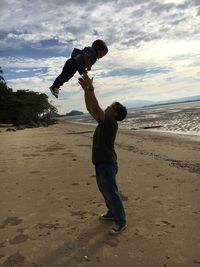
(103, 154)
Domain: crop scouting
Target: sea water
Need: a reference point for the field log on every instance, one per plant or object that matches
(182, 118)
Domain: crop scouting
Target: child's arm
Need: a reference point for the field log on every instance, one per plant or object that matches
(86, 59)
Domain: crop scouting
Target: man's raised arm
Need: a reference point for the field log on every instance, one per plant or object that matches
(91, 101)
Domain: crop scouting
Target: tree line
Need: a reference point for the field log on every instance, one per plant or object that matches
(22, 106)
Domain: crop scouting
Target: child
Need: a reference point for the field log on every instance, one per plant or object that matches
(81, 61)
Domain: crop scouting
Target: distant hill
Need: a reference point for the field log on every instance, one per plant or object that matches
(74, 113)
(183, 99)
(137, 103)
(71, 113)
(141, 103)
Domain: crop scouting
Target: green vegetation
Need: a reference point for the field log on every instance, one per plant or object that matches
(23, 106)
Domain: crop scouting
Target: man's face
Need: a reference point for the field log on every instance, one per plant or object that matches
(111, 110)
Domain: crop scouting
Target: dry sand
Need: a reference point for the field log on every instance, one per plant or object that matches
(50, 202)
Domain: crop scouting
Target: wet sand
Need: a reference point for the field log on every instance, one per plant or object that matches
(50, 202)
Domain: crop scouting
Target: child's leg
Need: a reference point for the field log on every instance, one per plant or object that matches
(67, 73)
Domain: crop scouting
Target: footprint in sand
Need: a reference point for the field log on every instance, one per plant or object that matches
(112, 242)
(160, 175)
(11, 221)
(53, 148)
(18, 239)
(2, 244)
(66, 153)
(33, 264)
(44, 229)
(164, 222)
(14, 260)
(78, 213)
(20, 230)
(30, 155)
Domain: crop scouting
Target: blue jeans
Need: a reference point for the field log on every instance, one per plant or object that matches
(67, 73)
(106, 181)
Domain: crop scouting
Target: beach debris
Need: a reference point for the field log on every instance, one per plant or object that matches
(75, 184)
(86, 258)
(165, 222)
(82, 132)
(196, 261)
(20, 127)
(11, 130)
(155, 186)
(152, 127)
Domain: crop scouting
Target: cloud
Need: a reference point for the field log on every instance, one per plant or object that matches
(153, 46)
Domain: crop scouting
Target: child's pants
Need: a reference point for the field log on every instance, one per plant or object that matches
(67, 73)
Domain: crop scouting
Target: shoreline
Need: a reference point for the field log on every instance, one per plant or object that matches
(189, 135)
(195, 137)
(50, 202)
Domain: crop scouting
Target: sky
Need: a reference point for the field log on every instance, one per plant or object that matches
(154, 48)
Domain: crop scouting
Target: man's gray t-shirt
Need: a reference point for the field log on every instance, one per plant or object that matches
(103, 141)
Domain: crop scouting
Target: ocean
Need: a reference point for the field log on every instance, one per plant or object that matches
(181, 118)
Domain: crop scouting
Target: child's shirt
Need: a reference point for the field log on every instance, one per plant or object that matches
(80, 61)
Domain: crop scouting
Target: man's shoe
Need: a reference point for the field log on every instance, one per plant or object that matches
(54, 91)
(116, 229)
(106, 217)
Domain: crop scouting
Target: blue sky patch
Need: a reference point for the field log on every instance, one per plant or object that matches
(137, 71)
(44, 48)
(17, 73)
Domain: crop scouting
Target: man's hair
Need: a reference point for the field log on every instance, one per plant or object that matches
(121, 111)
(100, 45)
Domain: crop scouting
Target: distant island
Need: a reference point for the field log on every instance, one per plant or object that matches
(71, 113)
(172, 102)
(74, 113)
(136, 103)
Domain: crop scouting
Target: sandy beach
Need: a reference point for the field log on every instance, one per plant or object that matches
(50, 203)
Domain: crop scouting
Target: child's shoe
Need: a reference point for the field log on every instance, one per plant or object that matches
(54, 91)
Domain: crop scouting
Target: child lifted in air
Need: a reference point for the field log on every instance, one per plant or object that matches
(81, 61)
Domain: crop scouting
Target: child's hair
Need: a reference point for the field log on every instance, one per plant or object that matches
(100, 45)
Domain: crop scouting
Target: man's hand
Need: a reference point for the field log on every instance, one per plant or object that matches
(85, 82)
(90, 99)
